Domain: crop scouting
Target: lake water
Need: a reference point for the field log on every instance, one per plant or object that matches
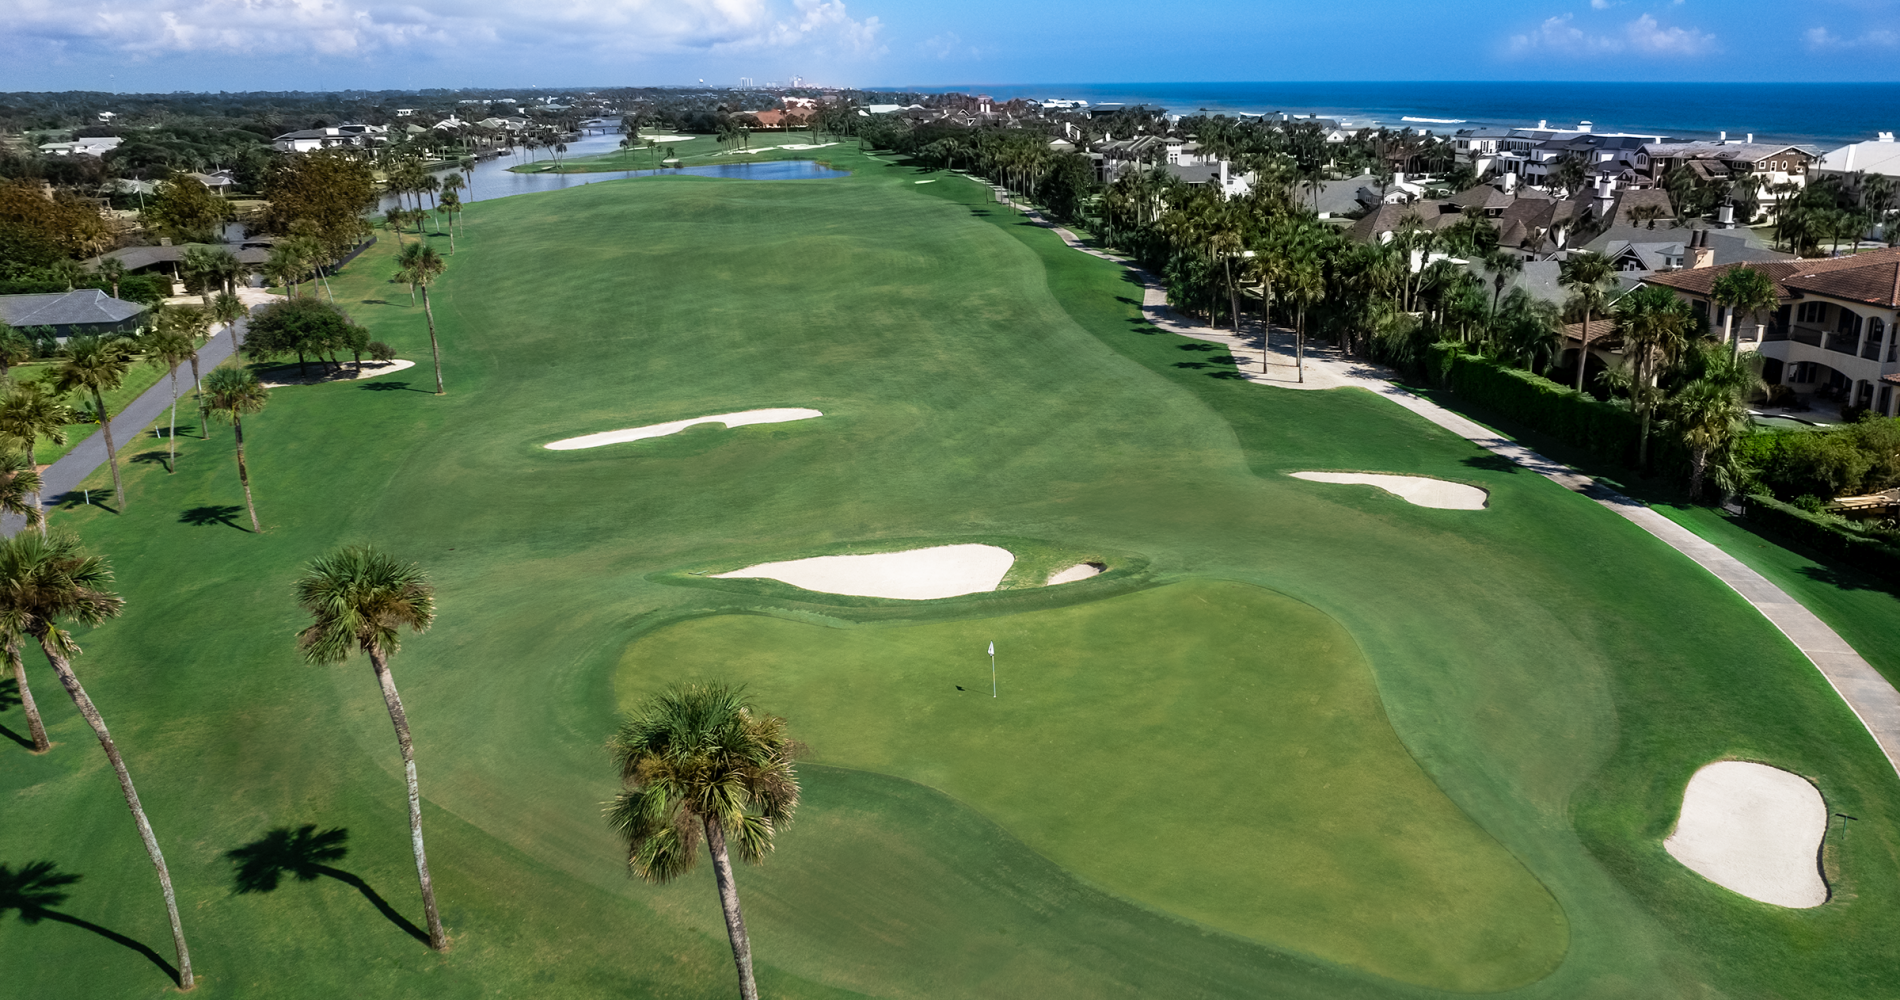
(493, 179)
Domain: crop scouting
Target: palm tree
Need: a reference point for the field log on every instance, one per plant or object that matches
(420, 265)
(97, 365)
(360, 598)
(1654, 325)
(227, 308)
(393, 220)
(169, 347)
(27, 413)
(1504, 265)
(231, 393)
(44, 580)
(1742, 289)
(698, 759)
(1708, 412)
(1578, 272)
(14, 348)
(112, 270)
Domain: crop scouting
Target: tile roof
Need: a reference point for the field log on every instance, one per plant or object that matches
(1701, 281)
(82, 306)
(1876, 284)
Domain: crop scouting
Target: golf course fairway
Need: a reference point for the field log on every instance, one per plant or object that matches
(1209, 749)
(1510, 702)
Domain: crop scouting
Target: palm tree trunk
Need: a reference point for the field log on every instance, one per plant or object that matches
(87, 709)
(112, 452)
(34, 727)
(171, 436)
(729, 901)
(204, 426)
(437, 939)
(244, 473)
(1583, 352)
(430, 313)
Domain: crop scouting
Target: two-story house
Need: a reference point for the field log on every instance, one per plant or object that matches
(1831, 339)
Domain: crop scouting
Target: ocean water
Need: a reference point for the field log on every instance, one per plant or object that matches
(1826, 115)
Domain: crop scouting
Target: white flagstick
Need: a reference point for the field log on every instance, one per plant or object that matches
(992, 668)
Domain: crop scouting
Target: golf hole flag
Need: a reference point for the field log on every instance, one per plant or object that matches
(992, 668)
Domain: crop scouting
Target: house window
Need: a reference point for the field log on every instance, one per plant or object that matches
(1810, 312)
(1876, 332)
(1847, 324)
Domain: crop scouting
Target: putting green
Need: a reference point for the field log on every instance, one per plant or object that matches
(1211, 749)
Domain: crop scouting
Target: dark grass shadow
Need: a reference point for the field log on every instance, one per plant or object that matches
(392, 387)
(301, 854)
(1848, 578)
(1493, 463)
(204, 517)
(37, 887)
(375, 302)
(75, 499)
(9, 697)
(149, 458)
(1197, 346)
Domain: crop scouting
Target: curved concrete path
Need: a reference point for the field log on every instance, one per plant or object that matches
(1868, 694)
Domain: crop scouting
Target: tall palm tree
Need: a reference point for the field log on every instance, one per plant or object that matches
(698, 759)
(227, 308)
(112, 270)
(393, 220)
(20, 495)
(44, 580)
(1578, 272)
(231, 393)
(361, 598)
(1708, 411)
(97, 365)
(14, 349)
(27, 413)
(1503, 264)
(169, 347)
(1654, 324)
(1746, 290)
(420, 265)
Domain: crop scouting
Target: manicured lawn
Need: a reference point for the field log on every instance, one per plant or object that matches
(1556, 674)
(703, 149)
(141, 377)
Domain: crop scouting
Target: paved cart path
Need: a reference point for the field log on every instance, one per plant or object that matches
(1872, 699)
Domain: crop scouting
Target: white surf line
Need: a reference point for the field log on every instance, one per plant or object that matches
(770, 416)
(1419, 491)
(1867, 693)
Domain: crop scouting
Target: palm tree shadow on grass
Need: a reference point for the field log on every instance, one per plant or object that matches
(9, 697)
(204, 517)
(301, 854)
(37, 887)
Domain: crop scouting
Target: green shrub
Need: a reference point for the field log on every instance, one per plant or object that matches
(1607, 430)
(1831, 536)
(1847, 460)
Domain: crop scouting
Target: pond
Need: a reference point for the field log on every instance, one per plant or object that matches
(492, 178)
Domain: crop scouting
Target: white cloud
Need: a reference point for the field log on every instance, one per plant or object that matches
(949, 45)
(299, 28)
(1603, 4)
(1645, 35)
(1560, 36)
(1819, 39)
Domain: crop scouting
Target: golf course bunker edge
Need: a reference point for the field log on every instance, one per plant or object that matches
(911, 575)
(776, 415)
(1755, 830)
(1420, 491)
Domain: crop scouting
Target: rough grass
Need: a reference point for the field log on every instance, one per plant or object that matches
(1557, 673)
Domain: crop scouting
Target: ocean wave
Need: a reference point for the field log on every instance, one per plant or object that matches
(1434, 121)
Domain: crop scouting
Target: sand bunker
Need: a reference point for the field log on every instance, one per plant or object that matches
(1079, 571)
(1753, 829)
(318, 372)
(933, 180)
(669, 138)
(807, 145)
(772, 416)
(1417, 490)
(916, 575)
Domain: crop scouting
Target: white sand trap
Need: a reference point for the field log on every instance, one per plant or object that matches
(933, 180)
(1754, 829)
(807, 145)
(1079, 571)
(286, 375)
(916, 575)
(1419, 490)
(670, 138)
(772, 416)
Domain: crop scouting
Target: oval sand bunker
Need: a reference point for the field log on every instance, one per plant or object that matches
(1418, 490)
(1079, 571)
(1753, 829)
(772, 416)
(915, 575)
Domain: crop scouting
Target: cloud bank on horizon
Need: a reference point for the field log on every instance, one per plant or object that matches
(165, 45)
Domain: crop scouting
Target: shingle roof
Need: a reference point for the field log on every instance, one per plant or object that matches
(82, 306)
(138, 258)
(1876, 284)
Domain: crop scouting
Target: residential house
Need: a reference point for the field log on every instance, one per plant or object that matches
(1880, 156)
(1832, 337)
(84, 312)
(1218, 175)
(1744, 162)
(333, 137)
(90, 146)
(1479, 147)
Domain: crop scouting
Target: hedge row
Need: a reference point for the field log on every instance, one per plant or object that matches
(1606, 431)
(1824, 536)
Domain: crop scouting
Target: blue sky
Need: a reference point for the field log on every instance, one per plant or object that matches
(163, 45)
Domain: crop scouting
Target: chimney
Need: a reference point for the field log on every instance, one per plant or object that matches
(1724, 137)
(1398, 177)
(1223, 178)
(1727, 216)
(1750, 139)
(1540, 122)
(1606, 197)
(1700, 255)
(1584, 126)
